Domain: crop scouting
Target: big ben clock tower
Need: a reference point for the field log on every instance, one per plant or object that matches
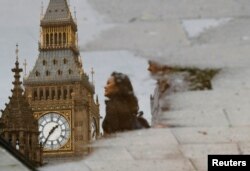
(58, 90)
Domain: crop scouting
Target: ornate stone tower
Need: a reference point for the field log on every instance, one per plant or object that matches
(19, 127)
(58, 90)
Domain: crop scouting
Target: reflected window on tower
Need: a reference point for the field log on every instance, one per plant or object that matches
(47, 39)
(55, 38)
(64, 38)
(47, 73)
(54, 62)
(60, 38)
(70, 71)
(59, 72)
(65, 61)
(51, 39)
(37, 74)
(44, 62)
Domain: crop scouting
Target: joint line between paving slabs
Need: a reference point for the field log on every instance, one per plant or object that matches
(239, 149)
(192, 163)
(227, 117)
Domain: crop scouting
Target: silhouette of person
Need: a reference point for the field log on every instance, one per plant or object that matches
(121, 105)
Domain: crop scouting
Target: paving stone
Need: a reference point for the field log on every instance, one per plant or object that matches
(9, 163)
(160, 10)
(110, 154)
(141, 165)
(239, 116)
(216, 102)
(162, 152)
(194, 118)
(198, 152)
(66, 166)
(139, 36)
(202, 56)
(240, 134)
(137, 138)
(244, 148)
(211, 135)
(202, 135)
(237, 30)
(13, 168)
(231, 78)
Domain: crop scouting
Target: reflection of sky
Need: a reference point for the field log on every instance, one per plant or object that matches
(20, 24)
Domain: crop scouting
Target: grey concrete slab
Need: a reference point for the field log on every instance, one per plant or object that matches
(164, 134)
(240, 134)
(160, 10)
(141, 165)
(110, 154)
(9, 163)
(244, 6)
(194, 118)
(239, 116)
(233, 79)
(151, 137)
(13, 168)
(139, 36)
(194, 100)
(209, 100)
(202, 56)
(162, 152)
(210, 135)
(202, 135)
(66, 166)
(198, 152)
(234, 31)
(244, 147)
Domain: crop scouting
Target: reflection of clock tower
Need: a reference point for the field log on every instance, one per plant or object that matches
(58, 90)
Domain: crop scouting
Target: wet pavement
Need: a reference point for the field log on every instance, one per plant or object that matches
(189, 33)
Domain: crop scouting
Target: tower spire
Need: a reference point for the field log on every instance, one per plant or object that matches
(42, 9)
(58, 17)
(18, 121)
(68, 3)
(92, 75)
(75, 14)
(17, 90)
(17, 50)
(25, 67)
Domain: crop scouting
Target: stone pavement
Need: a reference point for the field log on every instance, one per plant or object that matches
(10, 163)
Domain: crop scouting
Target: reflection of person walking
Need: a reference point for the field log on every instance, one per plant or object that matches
(121, 106)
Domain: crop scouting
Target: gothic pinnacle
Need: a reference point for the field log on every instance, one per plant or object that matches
(17, 88)
(17, 50)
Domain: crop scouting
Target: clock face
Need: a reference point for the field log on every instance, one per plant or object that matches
(54, 131)
(93, 129)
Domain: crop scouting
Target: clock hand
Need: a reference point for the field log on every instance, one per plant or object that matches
(50, 132)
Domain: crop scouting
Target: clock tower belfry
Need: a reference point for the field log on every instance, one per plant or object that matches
(58, 90)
